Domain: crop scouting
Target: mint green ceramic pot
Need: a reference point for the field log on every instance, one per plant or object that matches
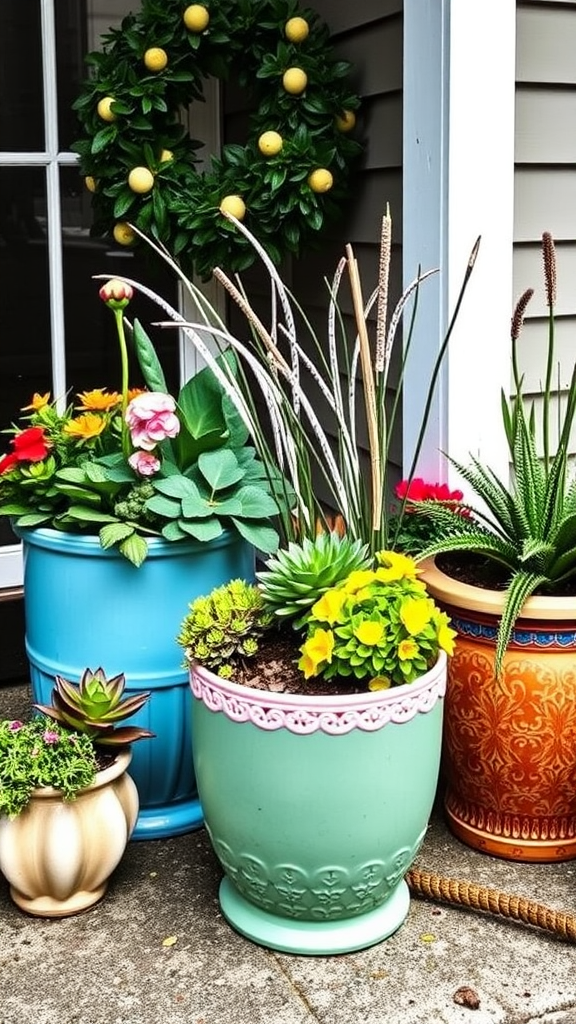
(316, 807)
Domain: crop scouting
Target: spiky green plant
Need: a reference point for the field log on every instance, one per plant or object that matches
(95, 706)
(300, 573)
(529, 525)
(226, 624)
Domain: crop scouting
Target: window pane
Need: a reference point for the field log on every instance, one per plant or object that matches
(92, 357)
(22, 108)
(71, 45)
(25, 365)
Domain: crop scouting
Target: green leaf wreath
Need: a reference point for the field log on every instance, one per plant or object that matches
(141, 164)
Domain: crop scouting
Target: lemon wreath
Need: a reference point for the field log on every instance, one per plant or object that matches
(286, 182)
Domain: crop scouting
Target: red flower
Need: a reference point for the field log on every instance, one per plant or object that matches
(418, 489)
(30, 445)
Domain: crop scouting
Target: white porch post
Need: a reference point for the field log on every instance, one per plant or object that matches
(459, 74)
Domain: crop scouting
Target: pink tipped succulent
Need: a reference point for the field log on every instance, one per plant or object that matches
(95, 706)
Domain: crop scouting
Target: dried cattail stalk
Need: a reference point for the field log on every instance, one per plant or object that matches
(549, 259)
(519, 313)
(383, 280)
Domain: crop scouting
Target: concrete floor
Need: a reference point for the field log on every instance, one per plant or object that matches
(110, 966)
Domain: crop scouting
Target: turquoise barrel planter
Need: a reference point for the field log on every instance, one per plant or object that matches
(86, 607)
(316, 807)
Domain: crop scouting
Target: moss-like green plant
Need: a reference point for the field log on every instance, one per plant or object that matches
(95, 707)
(226, 624)
(300, 573)
(42, 753)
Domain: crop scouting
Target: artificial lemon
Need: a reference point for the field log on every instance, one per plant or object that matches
(141, 179)
(166, 155)
(234, 205)
(155, 58)
(270, 143)
(103, 108)
(320, 180)
(296, 30)
(123, 233)
(90, 183)
(346, 121)
(196, 18)
(295, 80)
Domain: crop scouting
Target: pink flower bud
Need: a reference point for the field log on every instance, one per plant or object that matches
(144, 463)
(116, 293)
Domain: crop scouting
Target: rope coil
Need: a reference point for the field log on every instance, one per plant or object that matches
(478, 897)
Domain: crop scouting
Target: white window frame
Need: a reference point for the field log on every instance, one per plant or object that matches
(459, 183)
(206, 126)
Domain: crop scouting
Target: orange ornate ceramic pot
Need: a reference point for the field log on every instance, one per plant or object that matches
(509, 744)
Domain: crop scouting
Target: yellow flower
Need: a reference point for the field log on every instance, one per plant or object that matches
(395, 566)
(407, 649)
(446, 637)
(357, 579)
(379, 683)
(315, 650)
(415, 614)
(38, 402)
(86, 426)
(98, 400)
(369, 633)
(328, 607)
(134, 392)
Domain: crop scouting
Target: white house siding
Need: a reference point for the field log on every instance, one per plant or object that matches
(545, 178)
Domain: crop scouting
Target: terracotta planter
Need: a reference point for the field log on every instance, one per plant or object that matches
(509, 750)
(58, 855)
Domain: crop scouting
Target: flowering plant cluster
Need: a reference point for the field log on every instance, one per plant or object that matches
(414, 529)
(137, 463)
(63, 745)
(378, 625)
(374, 625)
(42, 753)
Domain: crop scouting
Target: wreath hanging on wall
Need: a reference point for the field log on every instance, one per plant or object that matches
(289, 179)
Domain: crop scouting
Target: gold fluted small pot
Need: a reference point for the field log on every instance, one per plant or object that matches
(509, 744)
(58, 855)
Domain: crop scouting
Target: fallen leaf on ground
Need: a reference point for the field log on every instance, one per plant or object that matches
(170, 940)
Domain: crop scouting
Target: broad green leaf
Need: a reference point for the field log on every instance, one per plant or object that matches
(166, 507)
(135, 549)
(204, 531)
(256, 503)
(196, 507)
(114, 533)
(173, 532)
(177, 487)
(261, 536)
(89, 515)
(148, 360)
(220, 468)
(33, 519)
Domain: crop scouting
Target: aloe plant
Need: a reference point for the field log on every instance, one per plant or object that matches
(527, 526)
(95, 707)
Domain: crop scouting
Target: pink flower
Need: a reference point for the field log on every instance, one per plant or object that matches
(144, 463)
(15, 725)
(151, 418)
(50, 737)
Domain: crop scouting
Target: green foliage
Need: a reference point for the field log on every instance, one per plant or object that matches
(300, 573)
(182, 209)
(225, 625)
(95, 707)
(378, 626)
(42, 753)
(529, 525)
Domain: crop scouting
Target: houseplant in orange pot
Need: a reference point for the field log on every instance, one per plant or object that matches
(506, 573)
(67, 805)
